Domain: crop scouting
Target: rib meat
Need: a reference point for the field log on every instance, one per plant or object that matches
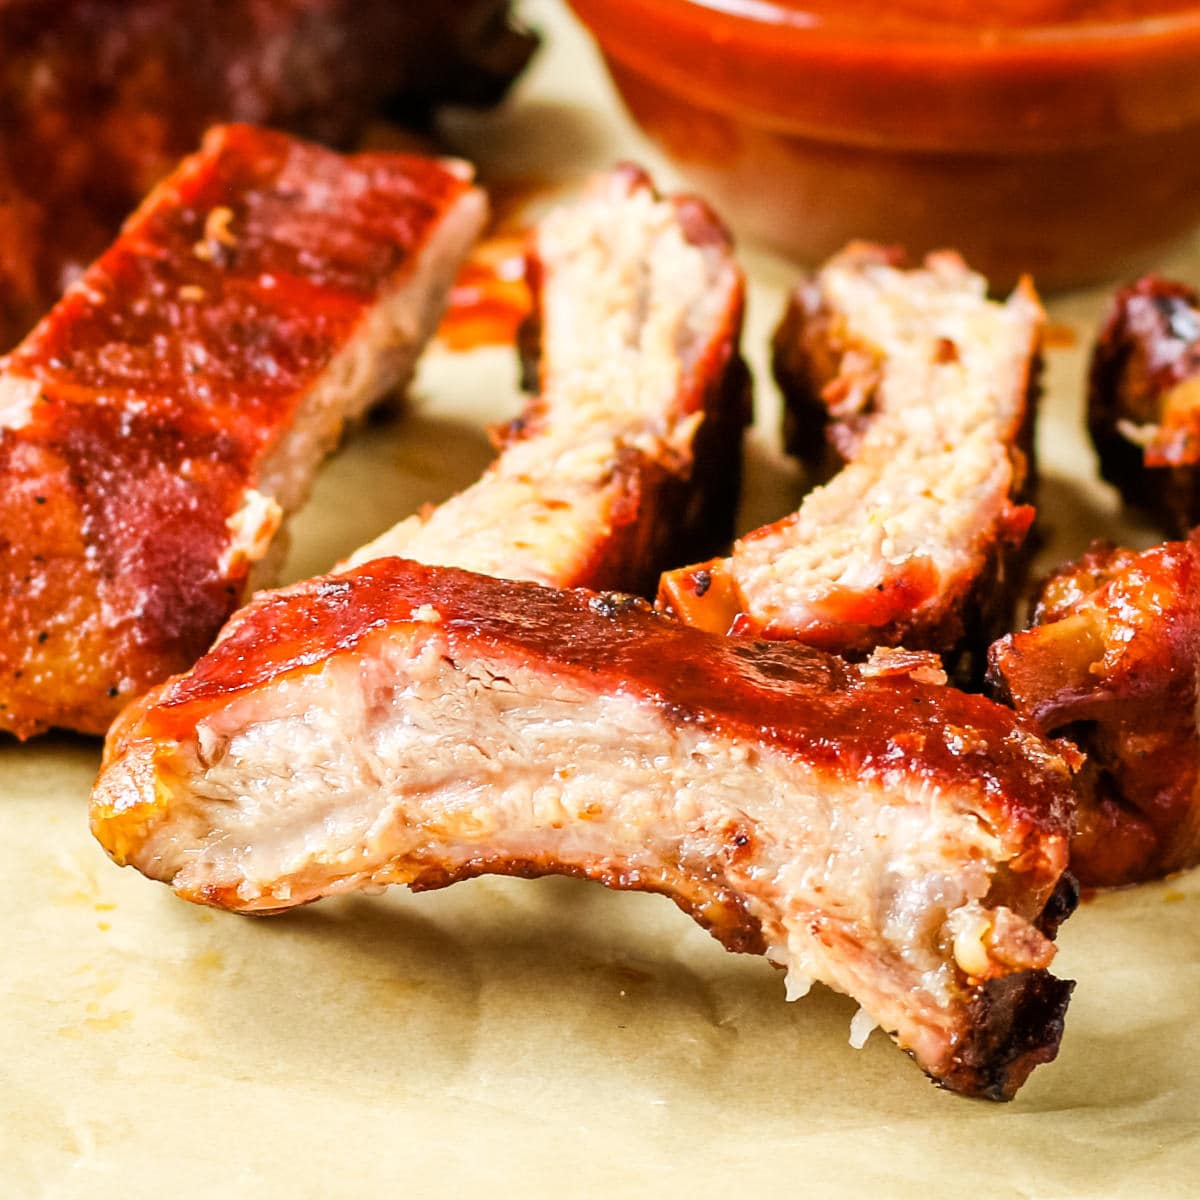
(100, 98)
(629, 455)
(1112, 662)
(161, 420)
(1144, 401)
(899, 841)
(924, 389)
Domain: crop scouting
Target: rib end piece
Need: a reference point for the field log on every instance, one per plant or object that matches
(873, 830)
(1112, 663)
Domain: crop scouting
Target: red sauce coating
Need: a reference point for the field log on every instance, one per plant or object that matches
(494, 292)
(1112, 665)
(895, 603)
(801, 700)
(243, 273)
(491, 297)
(161, 382)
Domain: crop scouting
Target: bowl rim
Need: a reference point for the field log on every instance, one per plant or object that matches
(786, 19)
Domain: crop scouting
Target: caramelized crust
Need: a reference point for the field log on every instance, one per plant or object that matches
(100, 98)
(157, 425)
(1144, 400)
(1111, 663)
(628, 455)
(897, 840)
(916, 394)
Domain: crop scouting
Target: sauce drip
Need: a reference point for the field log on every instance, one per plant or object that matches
(490, 298)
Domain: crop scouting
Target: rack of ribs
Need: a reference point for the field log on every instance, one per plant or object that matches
(894, 839)
(1112, 662)
(923, 390)
(628, 454)
(164, 417)
(1144, 400)
(102, 97)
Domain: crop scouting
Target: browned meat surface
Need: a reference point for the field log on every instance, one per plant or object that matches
(894, 839)
(1111, 663)
(923, 390)
(1144, 401)
(100, 98)
(628, 457)
(160, 422)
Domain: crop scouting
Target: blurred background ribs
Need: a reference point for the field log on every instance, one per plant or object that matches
(100, 98)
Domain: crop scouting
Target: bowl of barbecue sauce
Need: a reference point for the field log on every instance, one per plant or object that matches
(1060, 137)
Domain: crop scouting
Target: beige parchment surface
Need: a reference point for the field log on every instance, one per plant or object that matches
(509, 1038)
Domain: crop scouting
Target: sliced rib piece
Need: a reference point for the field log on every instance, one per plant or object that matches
(928, 390)
(1144, 400)
(172, 408)
(628, 457)
(100, 99)
(1112, 663)
(899, 841)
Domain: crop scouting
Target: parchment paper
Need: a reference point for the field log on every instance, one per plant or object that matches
(550, 1038)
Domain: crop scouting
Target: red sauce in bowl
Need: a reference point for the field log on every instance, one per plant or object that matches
(1058, 136)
